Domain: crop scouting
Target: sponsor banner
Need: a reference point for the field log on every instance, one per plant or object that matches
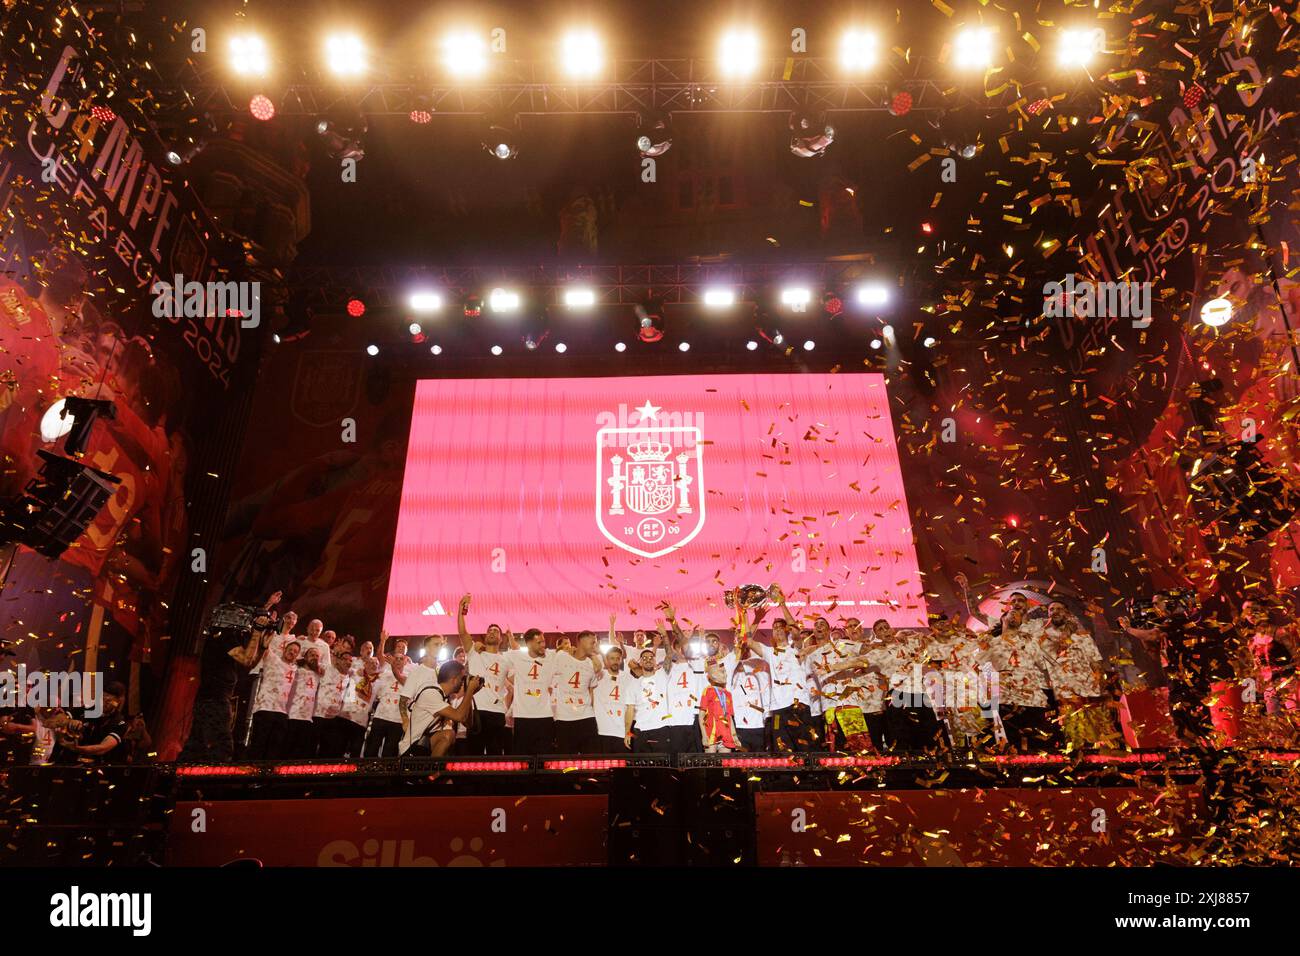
(393, 831)
(577, 497)
(1087, 826)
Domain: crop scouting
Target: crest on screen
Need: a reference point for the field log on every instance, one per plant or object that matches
(650, 487)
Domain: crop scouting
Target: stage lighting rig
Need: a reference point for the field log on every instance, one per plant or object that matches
(650, 320)
(84, 412)
(57, 505)
(811, 135)
(654, 134)
(501, 141)
(342, 136)
(248, 55)
(345, 54)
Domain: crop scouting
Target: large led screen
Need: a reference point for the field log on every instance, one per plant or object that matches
(557, 502)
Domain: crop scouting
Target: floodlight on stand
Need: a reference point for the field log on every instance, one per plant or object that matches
(650, 320)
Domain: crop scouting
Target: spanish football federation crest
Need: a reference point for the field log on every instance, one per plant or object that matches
(650, 485)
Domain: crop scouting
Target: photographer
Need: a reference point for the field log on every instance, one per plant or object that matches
(100, 739)
(428, 711)
(227, 654)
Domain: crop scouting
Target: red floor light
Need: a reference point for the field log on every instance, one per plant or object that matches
(295, 769)
(356, 308)
(760, 763)
(858, 761)
(199, 770)
(612, 763)
(484, 766)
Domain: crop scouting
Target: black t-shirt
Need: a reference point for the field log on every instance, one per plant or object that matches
(101, 728)
(219, 672)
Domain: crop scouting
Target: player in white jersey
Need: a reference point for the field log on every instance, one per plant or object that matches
(300, 734)
(271, 700)
(751, 690)
(574, 673)
(487, 662)
(644, 717)
(787, 728)
(528, 674)
(614, 691)
(358, 701)
(332, 728)
(385, 731)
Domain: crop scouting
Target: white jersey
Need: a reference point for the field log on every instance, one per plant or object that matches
(651, 701)
(387, 693)
(329, 693)
(529, 679)
(686, 683)
(788, 677)
(302, 695)
(425, 698)
(818, 663)
(1020, 664)
(277, 678)
(358, 699)
(613, 693)
(1074, 664)
(571, 684)
(491, 666)
(751, 693)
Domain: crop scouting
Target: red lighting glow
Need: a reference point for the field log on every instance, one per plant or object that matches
(484, 766)
(103, 114)
(201, 770)
(420, 117)
(261, 107)
(609, 764)
(313, 769)
(356, 308)
(901, 103)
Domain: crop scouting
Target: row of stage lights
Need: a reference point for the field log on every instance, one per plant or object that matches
(650, 321)
(465, 54)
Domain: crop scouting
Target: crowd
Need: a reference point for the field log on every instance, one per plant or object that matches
(1032, 679)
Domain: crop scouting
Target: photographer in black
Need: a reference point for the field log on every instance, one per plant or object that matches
(1195, 653)
(227, 654)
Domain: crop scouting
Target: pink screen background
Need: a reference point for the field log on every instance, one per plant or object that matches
(801, 484)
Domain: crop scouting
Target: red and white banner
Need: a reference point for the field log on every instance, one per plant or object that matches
(393, 831)
(1086, 826)
(555, 502)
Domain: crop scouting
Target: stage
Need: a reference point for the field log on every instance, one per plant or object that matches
(1137, 809)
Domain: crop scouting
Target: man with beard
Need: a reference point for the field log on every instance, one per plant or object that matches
(1076, 671)
(488, 663)
(573, 675)
(1019, 658)
(615, 690)
(528, 674)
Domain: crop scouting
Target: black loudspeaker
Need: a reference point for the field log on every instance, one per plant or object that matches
(57, 505)
(718, 819)
(645, 817)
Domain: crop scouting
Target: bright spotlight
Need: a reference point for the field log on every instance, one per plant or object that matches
(751, 345)
(887, 333)
(345, 54)
(719, 298)
(874, 343)
(973, 47)
(1216, 312)
(857, 50)
(778, 338)
(582, 53)
(684, 347)
(929, 341)
(464, 54)
(54, 427)
(561, 347)
(503, 300)
(579, 298)
(809, 345)
(1078, 47)
(435, 349)
(620, 347)
(797, 297)
(873, 294)
(424, 301)
(414, 328)
(738, 53)
(372, 349)
(497, 350)
(248, 55)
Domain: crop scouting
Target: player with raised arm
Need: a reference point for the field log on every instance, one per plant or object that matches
(487, 661)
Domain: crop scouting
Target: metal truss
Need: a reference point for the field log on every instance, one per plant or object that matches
(681, 284)
(636, 86)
